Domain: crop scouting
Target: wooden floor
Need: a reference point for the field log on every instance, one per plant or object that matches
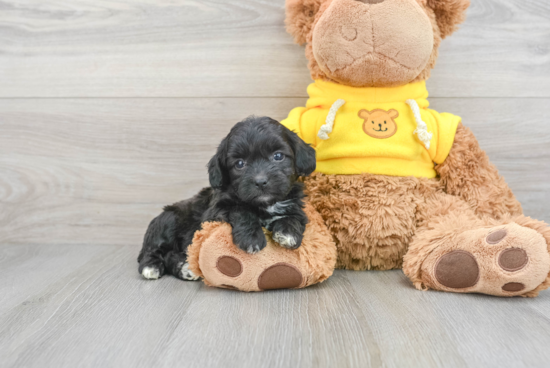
(110, 109)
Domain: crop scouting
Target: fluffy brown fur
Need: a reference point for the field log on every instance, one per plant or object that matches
(449, 14)
(468, 174)
(372, 217)
(300, 15)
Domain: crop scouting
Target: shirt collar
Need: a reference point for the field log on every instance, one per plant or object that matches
(325, 93)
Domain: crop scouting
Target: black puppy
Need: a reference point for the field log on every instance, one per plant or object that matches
(253, 177)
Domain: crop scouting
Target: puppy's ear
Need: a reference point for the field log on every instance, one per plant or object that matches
(304, 155)
(449, 14)
(217, 169)
(300, 15)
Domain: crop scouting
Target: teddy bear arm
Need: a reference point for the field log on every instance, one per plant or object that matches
(468, 173)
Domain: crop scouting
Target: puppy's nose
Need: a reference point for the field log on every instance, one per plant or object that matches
(261, 181)
(371, 1)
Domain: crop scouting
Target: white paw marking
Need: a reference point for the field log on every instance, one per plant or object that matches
(150, 273)
(187, 274)
(287, 241)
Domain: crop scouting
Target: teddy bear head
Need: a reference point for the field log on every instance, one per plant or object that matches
(372, 43)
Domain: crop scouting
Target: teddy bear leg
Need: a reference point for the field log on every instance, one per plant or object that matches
(220, 263)
(454, 250)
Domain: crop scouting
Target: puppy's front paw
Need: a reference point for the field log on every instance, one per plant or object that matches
(250, 242)
(287, 240)
(287, 236)
(187, 274)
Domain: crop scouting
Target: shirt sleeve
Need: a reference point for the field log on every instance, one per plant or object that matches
(444, 126)
(305, 122)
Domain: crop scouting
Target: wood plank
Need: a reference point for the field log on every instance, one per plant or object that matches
(208, 48)
(102, 313)
(320, 326)
(29, 269)
(97, 171)
(425, 329)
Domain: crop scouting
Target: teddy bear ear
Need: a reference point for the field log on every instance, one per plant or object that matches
(300, 15)
(393, 114)
(449, 14)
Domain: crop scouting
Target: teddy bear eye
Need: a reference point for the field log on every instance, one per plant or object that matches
(373, 122)
(384, 122)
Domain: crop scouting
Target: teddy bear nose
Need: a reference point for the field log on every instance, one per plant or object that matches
(371, 1)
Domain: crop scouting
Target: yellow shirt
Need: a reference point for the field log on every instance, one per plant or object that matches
(374, 130)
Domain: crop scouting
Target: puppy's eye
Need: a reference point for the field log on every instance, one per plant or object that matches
(239, 164)
(278, 156)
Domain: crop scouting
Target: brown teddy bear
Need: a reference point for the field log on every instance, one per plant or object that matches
(397, 184)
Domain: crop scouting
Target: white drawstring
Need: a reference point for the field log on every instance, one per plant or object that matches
(421, 127)
(326, 129)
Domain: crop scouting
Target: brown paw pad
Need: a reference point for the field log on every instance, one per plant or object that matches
(229, 266)
(513, 259)
(513, 287)
(457, 269)
(496, 237)
(280, 276)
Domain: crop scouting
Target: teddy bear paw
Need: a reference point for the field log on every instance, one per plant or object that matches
(258, 275)
(507, 260)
